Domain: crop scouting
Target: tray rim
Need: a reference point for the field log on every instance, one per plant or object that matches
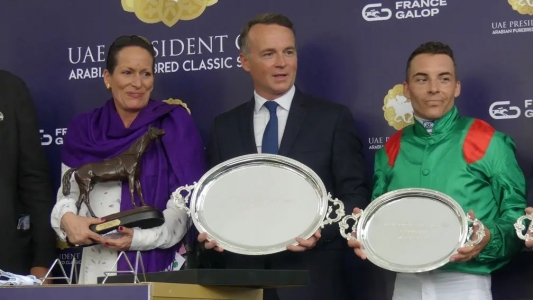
(252, 160)
(389, 197)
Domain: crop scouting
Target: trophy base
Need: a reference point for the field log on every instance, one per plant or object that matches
(143, 217)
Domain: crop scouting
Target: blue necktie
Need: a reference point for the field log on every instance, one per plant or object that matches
(270, 137)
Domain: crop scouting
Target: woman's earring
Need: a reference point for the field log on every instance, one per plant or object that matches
(108, 86)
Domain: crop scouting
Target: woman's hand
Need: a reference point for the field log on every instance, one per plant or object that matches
(123, 243)
(77, 229)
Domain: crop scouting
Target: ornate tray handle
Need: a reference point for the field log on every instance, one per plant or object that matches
(480, 232)
(181, 201)
(344, 226)
(519, 227)
(339, 211)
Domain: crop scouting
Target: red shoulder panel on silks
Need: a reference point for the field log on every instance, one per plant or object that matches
(392, 147)
(477, 141)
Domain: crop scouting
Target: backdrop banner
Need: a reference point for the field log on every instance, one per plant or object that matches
(350, 52)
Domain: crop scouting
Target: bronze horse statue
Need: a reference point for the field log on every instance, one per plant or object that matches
(123, 166)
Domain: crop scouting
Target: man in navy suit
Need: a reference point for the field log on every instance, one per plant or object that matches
(280, 119)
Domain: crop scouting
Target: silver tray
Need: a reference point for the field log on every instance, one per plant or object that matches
(258, 204)
(519, 227)
(412, 230)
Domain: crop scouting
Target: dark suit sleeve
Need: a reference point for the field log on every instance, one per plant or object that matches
(348, 169)
(213, 155)
(530, 191)
(34, 186)
(209, 259)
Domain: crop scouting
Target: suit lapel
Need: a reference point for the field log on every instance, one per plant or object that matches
(246, 129)
(295, 120)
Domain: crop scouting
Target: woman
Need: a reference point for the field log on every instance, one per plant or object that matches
(175, 159)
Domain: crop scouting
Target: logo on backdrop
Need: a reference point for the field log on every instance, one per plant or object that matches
(207, 53)
(167, 11)
(505, 110)
(398, 112)
(48, 139)
(397, 109)
(57, 139)
(178, 102)
(524, 7)
(403, 10)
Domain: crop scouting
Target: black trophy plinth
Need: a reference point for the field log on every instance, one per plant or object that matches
(143, 217)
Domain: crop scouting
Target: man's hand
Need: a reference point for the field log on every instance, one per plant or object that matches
(202, 238)
(355, 244)
(470, 252)
(304, 245)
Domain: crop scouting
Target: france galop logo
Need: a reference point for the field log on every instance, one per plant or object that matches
(398, 110)
(524, 7)
(167, 11)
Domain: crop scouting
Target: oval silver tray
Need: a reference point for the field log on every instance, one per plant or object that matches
(258, 204)
(412, 230)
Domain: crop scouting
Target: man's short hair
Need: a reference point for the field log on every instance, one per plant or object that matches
(266, 19)
(430, 48)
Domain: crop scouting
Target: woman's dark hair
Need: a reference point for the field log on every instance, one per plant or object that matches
(127, 41)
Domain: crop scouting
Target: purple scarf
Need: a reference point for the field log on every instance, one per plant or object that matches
(175, 159)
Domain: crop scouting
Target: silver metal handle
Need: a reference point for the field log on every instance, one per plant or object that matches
(182, 201)
(339, 211)
(344, 226)
(480, 232)
(519, 227)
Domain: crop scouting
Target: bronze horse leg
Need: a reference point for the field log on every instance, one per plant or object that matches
(78, 203)
(85, 189)
(131, 180)
(139, 191)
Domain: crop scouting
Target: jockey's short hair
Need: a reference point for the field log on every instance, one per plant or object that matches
(430, 48)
